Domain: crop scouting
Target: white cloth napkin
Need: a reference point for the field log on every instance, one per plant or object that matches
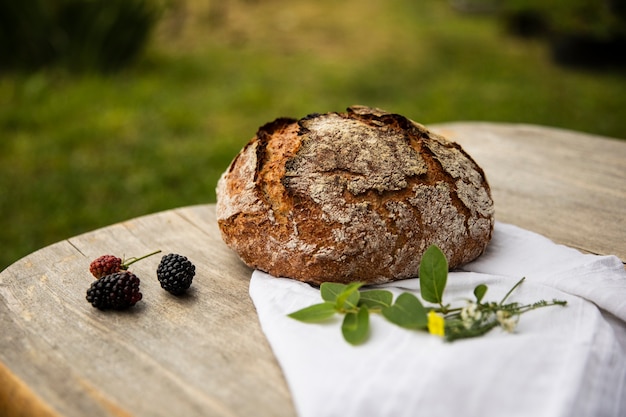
(560, 362)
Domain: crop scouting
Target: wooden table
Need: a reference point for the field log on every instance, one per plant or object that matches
(204, 354)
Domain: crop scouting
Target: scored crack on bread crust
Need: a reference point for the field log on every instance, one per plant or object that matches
(355, 196)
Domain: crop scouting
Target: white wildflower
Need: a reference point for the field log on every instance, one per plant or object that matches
(470, 314)
(505, 319)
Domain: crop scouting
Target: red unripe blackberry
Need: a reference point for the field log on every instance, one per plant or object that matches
(175, 273)
(105, 265)
(116, 291)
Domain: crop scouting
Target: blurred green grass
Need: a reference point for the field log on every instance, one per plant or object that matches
(82, 152)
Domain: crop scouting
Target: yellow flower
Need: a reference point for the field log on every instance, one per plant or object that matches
(436, 324)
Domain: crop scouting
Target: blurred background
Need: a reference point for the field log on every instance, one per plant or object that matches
(111, 109)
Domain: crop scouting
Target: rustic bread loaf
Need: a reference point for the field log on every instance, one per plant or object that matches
(355, 196)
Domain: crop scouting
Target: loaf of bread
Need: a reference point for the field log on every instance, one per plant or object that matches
(355, 196)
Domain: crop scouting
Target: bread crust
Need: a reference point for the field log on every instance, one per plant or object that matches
(354, 196)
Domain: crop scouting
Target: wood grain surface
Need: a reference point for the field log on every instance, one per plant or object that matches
(204, 354)
(198, 354)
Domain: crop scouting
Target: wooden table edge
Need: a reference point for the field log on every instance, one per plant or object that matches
(17, 399)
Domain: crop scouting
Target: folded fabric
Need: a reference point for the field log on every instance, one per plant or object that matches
(560, 361)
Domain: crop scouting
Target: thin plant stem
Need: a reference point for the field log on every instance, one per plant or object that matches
(511, 290)
(133, 260)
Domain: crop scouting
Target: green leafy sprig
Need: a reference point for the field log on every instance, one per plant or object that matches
(474, 319)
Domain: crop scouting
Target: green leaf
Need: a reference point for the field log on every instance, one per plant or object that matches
(314, 313)
(407, 312)
(376, 298)
(331, 290)
(352, 301)
(349, 297)
(355, 326)
(480, 292)
(433, 274)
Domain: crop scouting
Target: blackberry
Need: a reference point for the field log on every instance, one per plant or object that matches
(105, 265)
(109, 264)
(175, 273)
(116, 291)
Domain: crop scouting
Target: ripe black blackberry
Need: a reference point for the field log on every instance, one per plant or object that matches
(116, 291)
(110, 264)
(175, 273)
